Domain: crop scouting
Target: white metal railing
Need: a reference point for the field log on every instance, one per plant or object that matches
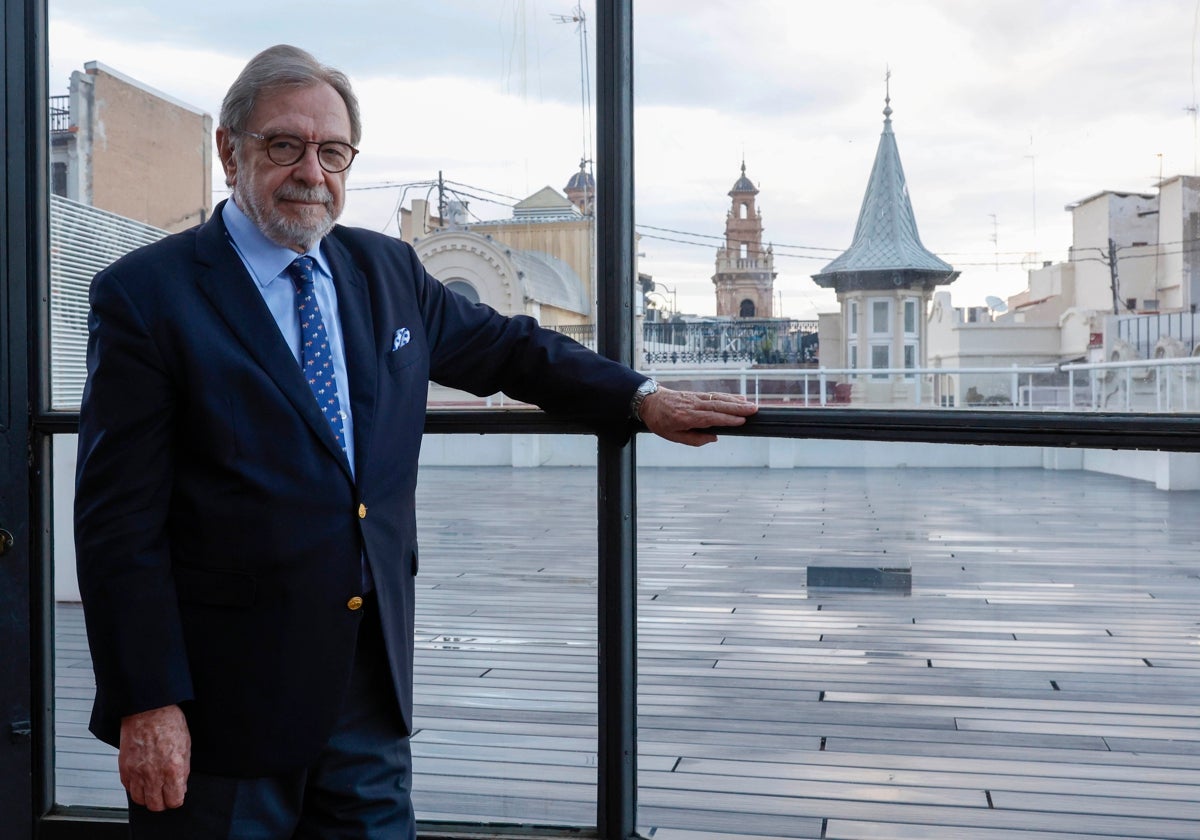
(1151, 385)
(919, 387)
(1155, 385)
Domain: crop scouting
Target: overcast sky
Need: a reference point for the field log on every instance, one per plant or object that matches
(1004, 111)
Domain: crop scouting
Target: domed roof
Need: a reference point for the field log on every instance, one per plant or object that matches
(743, 183)
(581, 180)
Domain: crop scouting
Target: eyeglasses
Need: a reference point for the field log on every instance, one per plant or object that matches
(287, 149)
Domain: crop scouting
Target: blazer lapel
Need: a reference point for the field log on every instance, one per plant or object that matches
(358, 336)
(227, 284)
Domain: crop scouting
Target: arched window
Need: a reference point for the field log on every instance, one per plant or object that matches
(746, 310)
(463, 288)
(742, 210)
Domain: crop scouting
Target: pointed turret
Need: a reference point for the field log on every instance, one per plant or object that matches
(887, 250)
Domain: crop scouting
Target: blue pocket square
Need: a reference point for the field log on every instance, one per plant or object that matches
(401, 338)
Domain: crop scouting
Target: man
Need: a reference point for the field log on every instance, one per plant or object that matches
(245, 531)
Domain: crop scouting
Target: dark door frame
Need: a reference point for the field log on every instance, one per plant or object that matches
(22, 255)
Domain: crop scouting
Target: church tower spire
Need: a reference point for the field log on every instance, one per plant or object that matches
(745, 270)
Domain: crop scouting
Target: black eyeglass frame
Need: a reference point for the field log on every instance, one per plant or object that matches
(303, 144)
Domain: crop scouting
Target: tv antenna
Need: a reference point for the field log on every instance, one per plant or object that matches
(995, 241)
(1193, 109)
(578, 18)
(1032, 158)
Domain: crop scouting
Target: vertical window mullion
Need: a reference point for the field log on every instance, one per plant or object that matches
(616, 806)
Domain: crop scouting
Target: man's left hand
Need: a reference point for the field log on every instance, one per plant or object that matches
(678, 415)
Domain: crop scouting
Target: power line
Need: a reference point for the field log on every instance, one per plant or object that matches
(722, 239)
(388, 185)
(513, 199)
(490, 196)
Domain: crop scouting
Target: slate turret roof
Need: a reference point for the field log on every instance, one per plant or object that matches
(887, 250)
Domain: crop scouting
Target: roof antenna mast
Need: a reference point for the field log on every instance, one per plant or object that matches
(578, 18)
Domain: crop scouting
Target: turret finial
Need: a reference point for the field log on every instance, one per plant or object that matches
(887, 95)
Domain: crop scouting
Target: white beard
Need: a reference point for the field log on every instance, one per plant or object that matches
(288, 232)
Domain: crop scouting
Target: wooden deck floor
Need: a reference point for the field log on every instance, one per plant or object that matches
(1040, 681)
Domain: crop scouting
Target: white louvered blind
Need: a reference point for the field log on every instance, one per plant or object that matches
(83, 240)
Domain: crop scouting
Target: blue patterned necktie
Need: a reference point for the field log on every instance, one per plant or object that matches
(315, 359)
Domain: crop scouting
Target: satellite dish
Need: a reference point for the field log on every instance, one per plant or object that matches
(996, 304)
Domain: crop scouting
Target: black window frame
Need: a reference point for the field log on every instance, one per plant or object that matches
(24, 286)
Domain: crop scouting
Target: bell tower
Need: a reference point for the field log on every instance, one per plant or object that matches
(745, 270)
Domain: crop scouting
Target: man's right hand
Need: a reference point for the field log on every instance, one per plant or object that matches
(156, 757)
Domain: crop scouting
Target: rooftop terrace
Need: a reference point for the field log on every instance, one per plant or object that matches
(1039, 680)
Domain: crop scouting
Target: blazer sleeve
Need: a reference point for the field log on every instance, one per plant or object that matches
(123, 488)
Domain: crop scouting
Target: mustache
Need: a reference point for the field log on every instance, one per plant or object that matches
(297, 192)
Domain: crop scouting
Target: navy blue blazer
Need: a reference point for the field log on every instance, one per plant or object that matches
(218, 529)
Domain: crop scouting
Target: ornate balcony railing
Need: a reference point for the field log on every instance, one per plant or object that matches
(60, 113)
(745, 341)
(727, 263)
(585, 334)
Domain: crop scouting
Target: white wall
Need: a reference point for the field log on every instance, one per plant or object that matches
(1168, 470)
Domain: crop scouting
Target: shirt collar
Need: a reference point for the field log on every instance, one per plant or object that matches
(264, 259)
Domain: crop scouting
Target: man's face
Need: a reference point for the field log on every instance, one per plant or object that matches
(294, 206)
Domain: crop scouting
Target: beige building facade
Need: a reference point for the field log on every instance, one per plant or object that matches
(540, 262)
(121, 146)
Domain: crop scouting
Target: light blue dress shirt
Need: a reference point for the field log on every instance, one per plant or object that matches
(267, 264)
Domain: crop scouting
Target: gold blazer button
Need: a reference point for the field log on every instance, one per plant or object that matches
(362, 511)
(354, 603)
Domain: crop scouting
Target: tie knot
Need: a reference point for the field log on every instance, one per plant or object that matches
(301, 271)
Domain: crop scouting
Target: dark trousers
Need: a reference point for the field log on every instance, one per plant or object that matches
(359, 787)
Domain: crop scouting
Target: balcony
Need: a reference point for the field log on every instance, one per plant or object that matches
(60, 114)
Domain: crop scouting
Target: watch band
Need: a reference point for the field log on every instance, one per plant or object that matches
(639, 396)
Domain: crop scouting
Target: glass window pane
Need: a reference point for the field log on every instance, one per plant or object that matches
(910, 316)
(873, 639)
(505, 660)
(505, 671)
(506, 220)
(134, 106)
(881, 317)
(872, 205)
